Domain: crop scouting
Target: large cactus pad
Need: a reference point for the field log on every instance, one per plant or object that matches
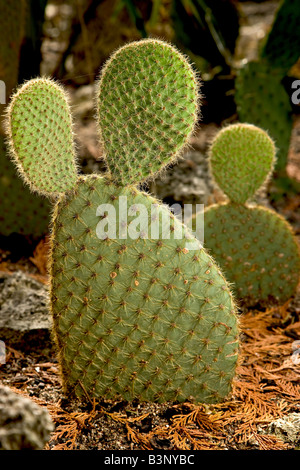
(136, 314)
(138, 318)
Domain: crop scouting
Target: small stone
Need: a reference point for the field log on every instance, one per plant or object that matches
(23, 423)
(287, 428)
(24, 312)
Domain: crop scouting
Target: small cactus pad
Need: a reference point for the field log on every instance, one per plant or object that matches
(147, 101)
(137, 318)
(256, 250)
(241, 158)
(41, 138)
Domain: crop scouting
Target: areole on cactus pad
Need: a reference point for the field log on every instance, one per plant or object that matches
(133, 316)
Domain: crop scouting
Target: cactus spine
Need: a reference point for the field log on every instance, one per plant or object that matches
(134, 317)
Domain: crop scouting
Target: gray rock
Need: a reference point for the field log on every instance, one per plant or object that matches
(287, 428)
(23, 423)
(188, 181)
(23, 302)
(24, 311)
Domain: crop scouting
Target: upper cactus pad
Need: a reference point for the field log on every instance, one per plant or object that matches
(241, 158)
(147, 101)
(41, 139)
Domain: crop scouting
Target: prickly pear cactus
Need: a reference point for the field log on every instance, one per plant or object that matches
(254, 246)
(262, 100)
(234, 156)
(20, 211)
(261, 97)
(137, 313)
(282, 45)
(12, 28)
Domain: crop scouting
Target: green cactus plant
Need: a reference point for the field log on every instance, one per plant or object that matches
(282, 45)
(136, 316)
(20, 211)
(261, 97)
(262, 100)
(12, 29)
(254, 246)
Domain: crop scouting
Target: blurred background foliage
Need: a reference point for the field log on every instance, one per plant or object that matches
(197, 27)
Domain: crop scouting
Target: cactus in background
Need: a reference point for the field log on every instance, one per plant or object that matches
(20, 211)
(199, 27)
(12, 29)
(260, 94)
(134, 316)
(234, 157)
(282, 45)
(262, 100)
(254, 246)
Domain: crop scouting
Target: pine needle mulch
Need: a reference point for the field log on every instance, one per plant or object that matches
(267, 388)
